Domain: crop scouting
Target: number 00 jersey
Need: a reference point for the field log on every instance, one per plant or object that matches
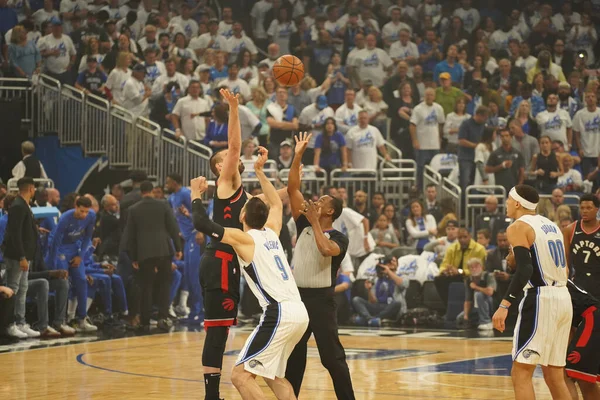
(269, 275)
(585, 258)
(547, 253)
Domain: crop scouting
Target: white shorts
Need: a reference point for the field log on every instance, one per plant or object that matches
(542, 330)
(268, 348)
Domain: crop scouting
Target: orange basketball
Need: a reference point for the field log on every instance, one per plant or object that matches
(288, 70)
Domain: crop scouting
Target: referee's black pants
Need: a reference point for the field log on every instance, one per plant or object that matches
(322, 313)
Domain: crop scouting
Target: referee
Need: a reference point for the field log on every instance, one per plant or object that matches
(318, 255)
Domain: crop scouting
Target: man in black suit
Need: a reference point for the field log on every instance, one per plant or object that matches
(151, 233)
(20, 243)
(107, 228)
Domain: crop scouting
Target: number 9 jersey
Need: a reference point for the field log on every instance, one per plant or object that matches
(547, 253)
(269, 275)
(585, 259)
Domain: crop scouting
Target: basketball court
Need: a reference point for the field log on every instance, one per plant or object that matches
(385, 364)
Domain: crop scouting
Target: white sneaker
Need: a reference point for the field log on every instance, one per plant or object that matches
(182, 311)
(172, 312)
(486, 327)
(14, 332)
(28, 331)
(66, 330)
(85, 326)
(153, 322)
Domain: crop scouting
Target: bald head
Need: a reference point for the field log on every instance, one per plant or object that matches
(110, 203)
(53, 197)
(491, 204)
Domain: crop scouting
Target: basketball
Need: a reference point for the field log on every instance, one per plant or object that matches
(288, 70)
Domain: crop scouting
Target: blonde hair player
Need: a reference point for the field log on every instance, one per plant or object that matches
(545, 313)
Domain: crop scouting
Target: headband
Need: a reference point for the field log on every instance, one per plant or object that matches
(524, 203)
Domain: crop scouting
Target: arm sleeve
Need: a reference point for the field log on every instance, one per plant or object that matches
(414, 232)
(522, 273)
(203, 224)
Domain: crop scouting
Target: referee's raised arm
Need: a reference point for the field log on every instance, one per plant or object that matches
(294, 179)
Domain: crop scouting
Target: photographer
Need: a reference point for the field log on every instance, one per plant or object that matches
(480, 288)
(386, 295)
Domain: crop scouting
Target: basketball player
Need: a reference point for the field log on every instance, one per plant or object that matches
(542, 330)
(219, 267)
(582, 238)
(270, 278)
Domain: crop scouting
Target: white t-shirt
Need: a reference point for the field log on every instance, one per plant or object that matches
(588, 125)
(584, 38)
(281, 34)
(554, 124)
(482, 154)
(398, 51)
(133, 97)
(571, 177)
(69, 6)
(238, 86)
(192, 128)
(115, 83)
(160, 82)
(235, 45)
(225, 29)
(83, 63)
(346, 118)
(311, 115)
(470, 18)
(364, 144)
(427, 119)
(57, 64)
(153, 72)
(453, 121)
(373, 108)
(258, 13)
(499, 39)
(248, 121)
(202, 41)
(190, 27)
(372, 64)
(526, 63)
(41, 16)
(350, 223)
(391, 31)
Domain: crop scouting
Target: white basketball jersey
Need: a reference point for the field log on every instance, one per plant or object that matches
(547, 253)
(269, 274)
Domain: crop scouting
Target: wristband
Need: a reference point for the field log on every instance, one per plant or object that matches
(503, 306)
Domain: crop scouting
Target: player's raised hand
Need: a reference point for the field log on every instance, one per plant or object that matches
(198, 186)
(232, 99)
(263, 157)
(302, 140)
(311, 211)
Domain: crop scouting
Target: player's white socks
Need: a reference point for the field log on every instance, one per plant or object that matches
(183, 298)
(71, 308)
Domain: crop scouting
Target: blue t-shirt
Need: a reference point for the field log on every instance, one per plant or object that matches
(341, 278)
(337, 91)
(216, 132)
(216, 75)
(71, 235)
(182, 198)
(456, 72)
(331, 159)
(430, 63)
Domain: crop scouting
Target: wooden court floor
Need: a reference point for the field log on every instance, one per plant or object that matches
(383, 364)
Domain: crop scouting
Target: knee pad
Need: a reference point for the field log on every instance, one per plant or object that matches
(214, 346)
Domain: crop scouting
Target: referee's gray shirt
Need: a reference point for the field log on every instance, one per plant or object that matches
(311, 269)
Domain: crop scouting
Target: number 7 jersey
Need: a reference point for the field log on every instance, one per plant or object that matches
(585, 259)
(547, 253)
(269, 274)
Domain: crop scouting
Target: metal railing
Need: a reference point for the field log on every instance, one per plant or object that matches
(49, 105)
(198, 163)
(450, 190)
(19, 89)
(475, 202)
(11, 185)
(72, 105)
(396, 177)
(120, 134)
(96, 125)
(355, 179)
(312, 181)
(146, 147)
(432, 177)
(173, 156)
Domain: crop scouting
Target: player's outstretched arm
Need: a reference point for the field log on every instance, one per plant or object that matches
(241, 242)
(272, 197)
(230, 172)
(567, 235)
(294, 179)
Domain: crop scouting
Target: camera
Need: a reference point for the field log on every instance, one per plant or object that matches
(385, 260)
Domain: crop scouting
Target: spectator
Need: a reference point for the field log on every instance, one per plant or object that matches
(430, 52)
(209, 40)
(469, 136)
(154, 69)
(448, 212)
(161, 110)
(404, 49)
(404, 104)
(526, 122)
(373, 63)
(586, 126)
(546, 167)
(343, 293)
(525, 61)
(563, 58)
(431, 203)
(235, 84)
(313, 117)
(482, 95)
(318, 56)
(170, 75)
(181, 50)
(479, 289)
(505, 74)
(286, 154)
(347, 114)
(452, 124)
(118, 77)
(362, 142)
(396, 82)
(496, 259)
(258, 106)
(501, 38)
(217, 130)
(59, 53)
(426, 131)
(482, 153)
(282, 118)
(384, 236)
(185, 20)
(376, 108)
(389, 210)
(456, 35)
(386, 301)
(525, 144)
(421, 227)
(45, 14)
(390, 32)
(281, 29)
(219, 70)
(108, 228)
(549, 208)
(475, 74)
(299, 98)
(248, 70)
(330, 148)
(23, 54)
(506, 163)
(189, 112)
(447, 95)
(567, 101)
(484, 238)
(555, 122)
(546, 66)
(30, 165)
(135, 93)
(91, 80)
(456, 265)
(536, 103)
(149, 41)
(570, 180)
(584, 36)
(440, 245)
(449, 66)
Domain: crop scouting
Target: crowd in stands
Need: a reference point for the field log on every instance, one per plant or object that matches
(501, 94)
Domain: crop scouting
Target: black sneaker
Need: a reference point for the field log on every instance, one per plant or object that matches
(165, 324)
